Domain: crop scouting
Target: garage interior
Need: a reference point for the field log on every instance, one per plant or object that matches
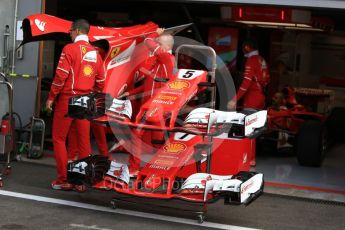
(300, 58)
(312, 60)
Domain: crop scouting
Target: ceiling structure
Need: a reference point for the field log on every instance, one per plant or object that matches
(174, 12)
(330, 4)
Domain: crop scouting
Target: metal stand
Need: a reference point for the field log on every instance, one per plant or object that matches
(199, 149)
(7, 140)
(37, 134)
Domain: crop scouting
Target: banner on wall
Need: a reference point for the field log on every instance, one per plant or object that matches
(224, 41)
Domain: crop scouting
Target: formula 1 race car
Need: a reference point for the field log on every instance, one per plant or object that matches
(193, 153)
(292, 128)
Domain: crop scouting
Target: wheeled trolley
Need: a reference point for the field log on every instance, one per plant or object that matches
(37, 133)
(7, 134)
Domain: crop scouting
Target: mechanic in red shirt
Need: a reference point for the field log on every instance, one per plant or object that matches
(159, 64)
(278, 102)
(98, 132)
(256, 77)
(290, 97)
(160, 67)
(79, 72)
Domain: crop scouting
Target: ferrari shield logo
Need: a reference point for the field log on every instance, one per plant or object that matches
(83, 50)
(174, 147)
(115, 51)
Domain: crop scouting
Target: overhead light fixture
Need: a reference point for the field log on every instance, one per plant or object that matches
(305, 29)
(290, 27)
(277, 24)
(270, 17)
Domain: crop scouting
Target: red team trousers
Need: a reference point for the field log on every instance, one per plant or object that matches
(100, 137)
(61, 127)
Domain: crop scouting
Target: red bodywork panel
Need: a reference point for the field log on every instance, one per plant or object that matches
(124, 46)
(235, 152)
(289, 119)
(164, 166)
(44, 27)
(291, 115)
(169, 99)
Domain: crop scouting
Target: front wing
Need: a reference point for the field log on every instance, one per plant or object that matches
(99, 172)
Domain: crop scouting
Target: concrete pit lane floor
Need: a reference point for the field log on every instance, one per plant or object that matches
(285, 176)
(282, 173)
(28, 202)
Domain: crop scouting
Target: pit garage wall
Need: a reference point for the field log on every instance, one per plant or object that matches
(306, 59)
(6, 18)
(290, 57)
(328, 61)
(24, 88)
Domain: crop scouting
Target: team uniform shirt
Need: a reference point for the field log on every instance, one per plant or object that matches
(256, 76)
(163, 67)
(79, 70)
(159, 64)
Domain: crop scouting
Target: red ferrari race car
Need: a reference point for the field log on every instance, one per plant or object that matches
(292, 128)
(193, 153)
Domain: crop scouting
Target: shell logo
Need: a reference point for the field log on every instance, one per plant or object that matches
(88, 70)
(114, 52)
(179, 85)
(174, 147)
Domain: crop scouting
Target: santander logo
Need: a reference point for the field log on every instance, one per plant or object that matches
(40, 25)
(246, 187)
(251, 121)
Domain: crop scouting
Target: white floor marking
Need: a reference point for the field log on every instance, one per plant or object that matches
(94, 227)
(206, 224)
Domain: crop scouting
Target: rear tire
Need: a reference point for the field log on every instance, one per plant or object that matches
(310, 142)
